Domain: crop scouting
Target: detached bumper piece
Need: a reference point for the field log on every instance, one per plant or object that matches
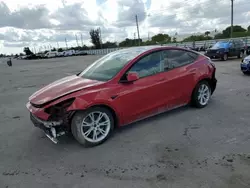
(52, 129)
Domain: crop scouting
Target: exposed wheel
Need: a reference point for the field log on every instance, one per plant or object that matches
(225, 57)
(93, 126)
(241, 54)
(201, 94)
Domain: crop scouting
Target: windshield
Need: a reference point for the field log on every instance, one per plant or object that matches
(108, 66)
(221, 45)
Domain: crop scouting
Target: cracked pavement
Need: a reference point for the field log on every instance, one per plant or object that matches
(187, 147)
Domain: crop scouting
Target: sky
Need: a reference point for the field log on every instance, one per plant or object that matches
(39, 24)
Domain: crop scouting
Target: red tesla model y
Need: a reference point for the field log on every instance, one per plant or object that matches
(120, 88)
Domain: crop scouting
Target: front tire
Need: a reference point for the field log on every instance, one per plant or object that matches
(93, 126)
(224, 57)
(201, 94)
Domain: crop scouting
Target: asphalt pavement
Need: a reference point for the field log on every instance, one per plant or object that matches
(184, 148)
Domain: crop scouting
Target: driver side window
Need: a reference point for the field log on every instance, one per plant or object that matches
(148, 65)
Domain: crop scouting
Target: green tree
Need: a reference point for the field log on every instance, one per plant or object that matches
(60, 50)
(219, 36)
(109, 45)
(130, 42)
(237, 28)
(95, 38)
(27, 51)
(196, 38)
(53, 49)
(174, 40)
(248, 28)
(207, 33)
(161, 38)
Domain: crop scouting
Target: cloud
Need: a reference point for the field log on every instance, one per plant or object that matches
(73, 17)
(15, 44)
(127, 11)
(26, 18)
(36, 24)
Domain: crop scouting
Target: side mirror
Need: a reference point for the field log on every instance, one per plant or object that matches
(132, 76)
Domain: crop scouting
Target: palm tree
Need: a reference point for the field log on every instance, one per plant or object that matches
(207, 33)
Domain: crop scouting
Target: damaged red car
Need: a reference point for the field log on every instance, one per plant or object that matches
(120, 88)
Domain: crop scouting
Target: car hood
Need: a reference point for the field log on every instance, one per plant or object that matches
(247, 58)
(61, 88)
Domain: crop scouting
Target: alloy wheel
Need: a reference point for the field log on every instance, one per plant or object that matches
(204, 94)
(95, 126)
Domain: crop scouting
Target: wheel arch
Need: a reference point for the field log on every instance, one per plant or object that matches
(113, 112)
(210, 82)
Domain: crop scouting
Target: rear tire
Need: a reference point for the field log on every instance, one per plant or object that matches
(241, 54)
(201, 94)
(92, 126)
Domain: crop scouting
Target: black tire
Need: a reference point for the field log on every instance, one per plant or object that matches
(76, 126)
(195, 96)
(246, 73)
(224, 57)
(241, 54)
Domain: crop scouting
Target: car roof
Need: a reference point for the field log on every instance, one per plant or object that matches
(132, 52)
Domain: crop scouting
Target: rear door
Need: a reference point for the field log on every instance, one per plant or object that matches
(180, 75)
(232, 49)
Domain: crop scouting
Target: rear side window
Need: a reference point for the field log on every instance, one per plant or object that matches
(178, 58)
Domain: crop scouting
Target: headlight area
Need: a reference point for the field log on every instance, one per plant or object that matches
(59, 113)
(58, 121)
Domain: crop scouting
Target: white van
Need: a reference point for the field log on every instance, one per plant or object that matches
(51, 54)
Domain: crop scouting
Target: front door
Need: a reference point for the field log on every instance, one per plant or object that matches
(144, 96)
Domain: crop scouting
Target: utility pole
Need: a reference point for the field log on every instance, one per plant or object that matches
(81, 40)
(66, 43)
(77, 41)
(134, 39)
(232, 17)
(57, 45)
(138, 32)
(148, 36)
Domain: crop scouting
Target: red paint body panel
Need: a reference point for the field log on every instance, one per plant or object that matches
(60, 88)
(129, 101)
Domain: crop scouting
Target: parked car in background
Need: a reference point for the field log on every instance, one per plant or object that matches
(120, 88)
(51, 54)
(224, 49)
(245, 65)
(69, 53)
(60, 54)
(78, 53)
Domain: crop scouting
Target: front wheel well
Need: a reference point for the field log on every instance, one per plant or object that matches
(210, 82)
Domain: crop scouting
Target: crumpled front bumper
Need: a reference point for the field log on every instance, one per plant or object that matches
(52, 129)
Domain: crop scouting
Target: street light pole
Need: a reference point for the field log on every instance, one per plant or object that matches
(232, 17)
(138, 32)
